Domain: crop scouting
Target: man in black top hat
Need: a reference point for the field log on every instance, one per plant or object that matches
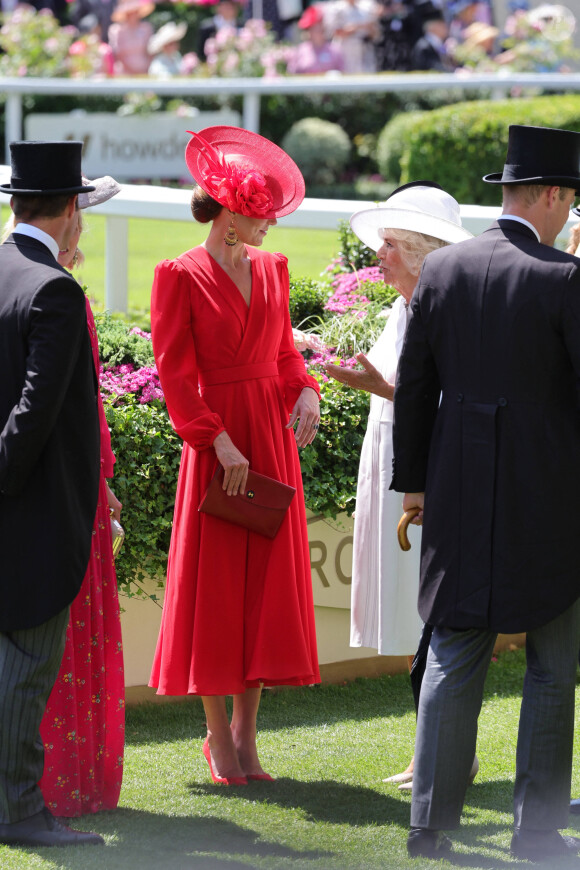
(487, 448)
(49, 467)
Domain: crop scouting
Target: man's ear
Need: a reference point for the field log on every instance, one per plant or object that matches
(553, 194)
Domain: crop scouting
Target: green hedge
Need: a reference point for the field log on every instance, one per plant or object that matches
(147, 454)
(456, 145)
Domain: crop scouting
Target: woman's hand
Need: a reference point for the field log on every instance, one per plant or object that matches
(114, 503)
(235, 465)
(307, 412)
(370, 379)
(307, 340)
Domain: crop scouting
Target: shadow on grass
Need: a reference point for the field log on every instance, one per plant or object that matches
(313, 706)
(150, 841)
(323, 801)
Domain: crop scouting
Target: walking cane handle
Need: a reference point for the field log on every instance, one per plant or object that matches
(402, 528)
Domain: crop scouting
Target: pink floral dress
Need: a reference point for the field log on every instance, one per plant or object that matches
(83, 729)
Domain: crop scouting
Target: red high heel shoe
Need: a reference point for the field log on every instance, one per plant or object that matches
(264, 777)
(224, 780)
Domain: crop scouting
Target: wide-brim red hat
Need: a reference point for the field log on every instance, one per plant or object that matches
(245, 172)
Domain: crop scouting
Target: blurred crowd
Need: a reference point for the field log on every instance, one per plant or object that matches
(327, 36)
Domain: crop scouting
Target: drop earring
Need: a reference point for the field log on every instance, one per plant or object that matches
(231, 237)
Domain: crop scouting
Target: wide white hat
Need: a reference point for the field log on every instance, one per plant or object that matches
(420, 207)
(168, 33)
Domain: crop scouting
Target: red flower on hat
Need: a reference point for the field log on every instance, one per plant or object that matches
(240, 189)
(245, 192)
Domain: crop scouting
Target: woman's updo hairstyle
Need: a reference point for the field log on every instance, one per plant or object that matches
(203, 208)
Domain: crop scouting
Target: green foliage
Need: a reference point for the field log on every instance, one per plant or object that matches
(357, 114)
(118, 346)
(392, 142)
(353, 254)
(361, 187)
(307, 301)
(357, 329)
(320, 148)
(456, 145)
(330, 463)
(34, 44)
(148, 453)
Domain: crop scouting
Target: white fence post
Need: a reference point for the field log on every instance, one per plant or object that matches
(13, 130)
(116, 263)
(251, 113)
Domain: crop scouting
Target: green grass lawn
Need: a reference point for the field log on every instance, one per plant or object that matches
(308, 252)
(329, 748)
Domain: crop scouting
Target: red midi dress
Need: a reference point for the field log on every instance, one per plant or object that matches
(238, 606)
(83, 728)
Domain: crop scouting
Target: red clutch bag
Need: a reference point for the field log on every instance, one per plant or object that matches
(261, 509)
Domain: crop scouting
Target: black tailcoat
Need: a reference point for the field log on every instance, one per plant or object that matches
(49, 435)
(487, 423)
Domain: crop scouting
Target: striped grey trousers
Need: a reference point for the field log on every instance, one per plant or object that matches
(29, 663)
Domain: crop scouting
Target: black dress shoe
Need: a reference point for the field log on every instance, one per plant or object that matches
(425, 843)
(538, 845)
(43, 829)
(575, 806)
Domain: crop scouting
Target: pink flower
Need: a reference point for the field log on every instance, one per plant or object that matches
(78, 47)
(143, 383)
(231, 63)
(189, 63)
(136, 331)
(223, 37)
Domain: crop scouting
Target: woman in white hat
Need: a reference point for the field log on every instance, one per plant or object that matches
(416, 219)
(164, 47)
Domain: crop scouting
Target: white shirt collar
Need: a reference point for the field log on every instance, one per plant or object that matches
(40, 236)
(520, 220)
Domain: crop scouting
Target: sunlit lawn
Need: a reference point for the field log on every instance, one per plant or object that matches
(308, 252)
(329, 748)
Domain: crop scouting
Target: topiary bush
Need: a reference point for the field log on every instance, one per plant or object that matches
(456, 145)
(320, 148)
(392, 143)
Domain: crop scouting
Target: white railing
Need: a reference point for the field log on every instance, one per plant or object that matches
(160, 203)
(252, 89)
(170, 204)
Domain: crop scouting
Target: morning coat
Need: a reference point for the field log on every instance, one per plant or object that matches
(487, 424)
(49, 435)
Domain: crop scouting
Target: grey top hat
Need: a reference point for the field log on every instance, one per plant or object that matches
(45, 169)
(540, 155)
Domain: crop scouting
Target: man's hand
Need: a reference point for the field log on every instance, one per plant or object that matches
(414, 500)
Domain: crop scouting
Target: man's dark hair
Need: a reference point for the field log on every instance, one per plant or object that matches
(30, 208)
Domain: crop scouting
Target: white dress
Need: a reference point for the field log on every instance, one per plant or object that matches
(385, 580)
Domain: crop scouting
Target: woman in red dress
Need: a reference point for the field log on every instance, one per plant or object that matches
(83, 728)
(238, 611)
